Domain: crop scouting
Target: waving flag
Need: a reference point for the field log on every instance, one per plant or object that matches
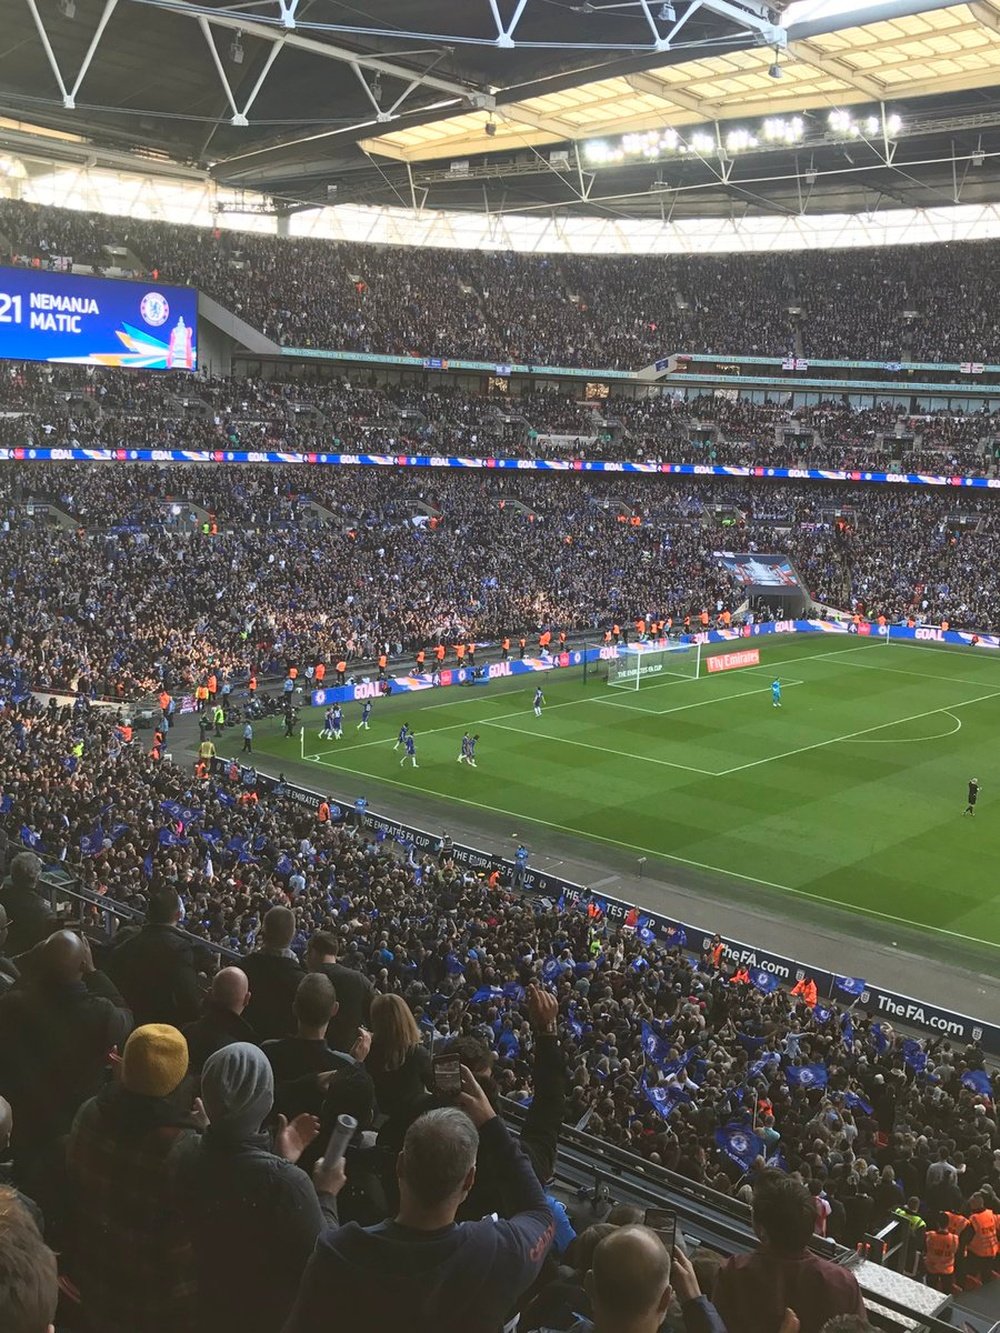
(914, 1055)
(847, 1028)
(807, 1076)
(283, 865)
(513, 990)
(168, 838)
(662, 1099)
(30, 838)
(551, 969)
(574, 1024)
(147, 865)
(855, 1102)
(977, 1080)
(653, 1046)
(485, 993)
(766, 982)
(646, 935)
(740, 1144)
(676, 936)
(508, 1045)
(93, 842)
(850, 985)
(880, 1038)
(821, 1014)
(761, 1063)
(6, 803)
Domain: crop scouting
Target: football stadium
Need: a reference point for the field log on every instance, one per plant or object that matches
(500, 666)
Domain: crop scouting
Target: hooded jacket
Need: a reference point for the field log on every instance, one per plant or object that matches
(253, 1218)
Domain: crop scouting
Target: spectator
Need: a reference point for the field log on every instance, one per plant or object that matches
(8, 968)
(399, 1065)
(295, 1061)
(132, 1255)
(57, 1033)
(156, 968)
(222, 1022)
(29, 1285)
(753, 1291)
(354, 990)
(629, 1286)
(30, 918)
(253, 1216)
(274, 975)
(422, 1271)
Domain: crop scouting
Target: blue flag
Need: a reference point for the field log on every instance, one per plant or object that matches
(807, 1076)
(664, 1100)
(574, 1024)
(914, 1055)
(777, 1159)
(821, 1014)
(761, 1063)
(676, 936)
(551, 969)
(485, 993)
(977, 1080)
(508, 1045)
(847, 1028)
(69, 763)
(168, 838)
(6, 803)
(654, 1047)
(880, 1038)
(31, 839)
(646, 935)
(283, 865)
(766, 982)
(93, 842)
(513, 990)
(855, 1102)
(147, 865)
(740, 1144)
(850, 985)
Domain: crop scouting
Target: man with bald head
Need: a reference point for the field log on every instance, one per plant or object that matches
(629, 1285)
(223, 1022)
(57, 1031)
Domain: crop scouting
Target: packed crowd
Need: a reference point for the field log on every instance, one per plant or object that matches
(349, 954)
(391, 563)
(926, 303)
(73, 407)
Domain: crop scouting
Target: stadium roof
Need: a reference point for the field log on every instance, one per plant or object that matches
(731, 106)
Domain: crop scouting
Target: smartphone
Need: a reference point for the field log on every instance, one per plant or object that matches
(664, 1222)
(340, 1137)
(447, 1075)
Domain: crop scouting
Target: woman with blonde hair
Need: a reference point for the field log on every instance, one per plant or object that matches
(398, 1064)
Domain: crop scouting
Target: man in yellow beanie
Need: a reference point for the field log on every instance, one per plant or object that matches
(136, 1268)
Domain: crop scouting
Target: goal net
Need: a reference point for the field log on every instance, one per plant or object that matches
(638, 664)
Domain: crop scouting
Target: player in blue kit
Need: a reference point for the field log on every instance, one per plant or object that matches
(366, 712)
(327, 733)
(776, 693)
(473, 742)
(411, 751)
(463, 753)
(539, 700)
(404, 731)
(338, 723)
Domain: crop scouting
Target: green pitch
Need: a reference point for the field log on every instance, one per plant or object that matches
(851, 793)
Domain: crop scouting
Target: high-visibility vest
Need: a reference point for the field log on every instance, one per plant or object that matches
(717, 954)
(319, 674)
(940, 1248)
(505, 645)
(213, 684)
(341, 667)
(164, 701)
(293, 673)
(382, 661)
(421, 656)
(219, 715)
(956, 1223)
(323, 812)
(984, 1239)
(206, 750)
(439, 652)
(913, 1220)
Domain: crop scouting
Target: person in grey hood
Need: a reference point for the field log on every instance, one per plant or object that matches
(253, 1216)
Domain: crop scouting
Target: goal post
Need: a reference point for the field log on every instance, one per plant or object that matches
(641, 664)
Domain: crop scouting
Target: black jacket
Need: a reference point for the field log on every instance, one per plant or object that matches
(354, 1001)
(217, 1027)
(30, 916)
(155, 970)
(253, 1219)
(274, 979)
(54, 1047)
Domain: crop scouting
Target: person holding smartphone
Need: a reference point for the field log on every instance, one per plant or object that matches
(421, 1270)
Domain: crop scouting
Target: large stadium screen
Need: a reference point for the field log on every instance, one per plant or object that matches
(760, 571)
(97, 321)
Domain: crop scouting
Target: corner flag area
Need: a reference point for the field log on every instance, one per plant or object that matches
(851, 793)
